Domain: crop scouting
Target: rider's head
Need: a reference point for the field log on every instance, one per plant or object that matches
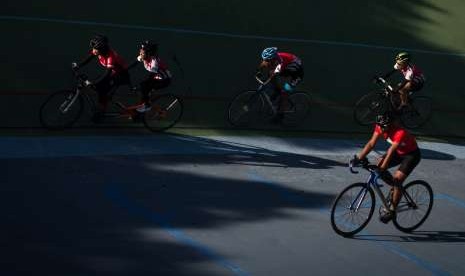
(384, 120)
(148, 49)
(403, 59)
(99, 44)
(270, 53)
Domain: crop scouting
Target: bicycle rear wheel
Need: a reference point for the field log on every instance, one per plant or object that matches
(414, 206)
(61, 110)
(167, 110)
(352, 209)
(370, 105)
(245, 108)
(418, 112)
(299, 105)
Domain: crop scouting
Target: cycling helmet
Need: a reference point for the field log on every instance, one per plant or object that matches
(269, 53)
(384, 120)
(99, 42)
(403, 57)
(149, 47)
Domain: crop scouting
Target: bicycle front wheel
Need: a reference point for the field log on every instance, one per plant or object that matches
(352, 209)
(299, 106)
(368, 106)
(414, 206)
(61, 110)
(245, 108)
(166, 111)
(418, 112)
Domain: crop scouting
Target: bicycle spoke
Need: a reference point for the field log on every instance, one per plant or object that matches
(352, 209)
(166, 111)
(414, 207)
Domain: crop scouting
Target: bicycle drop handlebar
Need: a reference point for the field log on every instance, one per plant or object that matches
(369, 167)
(385, 83)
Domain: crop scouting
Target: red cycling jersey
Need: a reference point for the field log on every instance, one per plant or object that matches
(113, 61)
(284, 60)
(407, 142)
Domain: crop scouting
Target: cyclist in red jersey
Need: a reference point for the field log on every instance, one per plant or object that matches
(413, 77)
(115, 74)
(159, 76)
(403, 150)
(285, 71)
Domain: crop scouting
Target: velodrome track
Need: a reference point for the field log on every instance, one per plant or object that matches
(118, 202)
(219, 205)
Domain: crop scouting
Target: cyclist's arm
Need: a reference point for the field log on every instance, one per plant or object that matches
(106, 74)
(264, 66)
(369, 146)
(389, 154)
(388, 74)
(86, 60)
(133, 64)
(402, 84)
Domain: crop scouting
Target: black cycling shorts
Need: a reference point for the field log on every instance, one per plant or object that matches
(293, 70)
(407, 161)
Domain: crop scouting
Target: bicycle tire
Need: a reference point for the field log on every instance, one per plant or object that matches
(346, 198)
(418, 112)
(55, 114)
(299, 103)
(369, 106)
(167, 110)
(245, 108)
(422, 198)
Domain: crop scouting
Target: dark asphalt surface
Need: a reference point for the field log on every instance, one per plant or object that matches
(184, 205)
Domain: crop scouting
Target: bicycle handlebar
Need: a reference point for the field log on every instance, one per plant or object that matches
(367, 166)
(385, 83)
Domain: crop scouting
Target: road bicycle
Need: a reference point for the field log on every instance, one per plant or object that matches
(63, 108)
(354, 206)
(415, 115)
(250, 106)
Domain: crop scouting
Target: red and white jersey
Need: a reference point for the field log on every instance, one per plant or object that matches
(411, 73)
(284, 60)
(157, 66)
(407, 142)
(113, 61)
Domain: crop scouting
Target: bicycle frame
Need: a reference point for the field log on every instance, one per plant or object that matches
(373, 182)
(261, 89)
(389, 90)
(93, 106)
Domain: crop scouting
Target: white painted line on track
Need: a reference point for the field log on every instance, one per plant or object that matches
(229, 35)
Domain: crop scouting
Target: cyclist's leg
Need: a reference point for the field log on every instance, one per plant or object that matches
(147, 86)
(103, 89)
(409, 162)
(406, 89)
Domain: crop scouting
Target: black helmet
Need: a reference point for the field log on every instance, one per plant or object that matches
(149, 47)
(384, 120)
(99, 42)
(403, 57)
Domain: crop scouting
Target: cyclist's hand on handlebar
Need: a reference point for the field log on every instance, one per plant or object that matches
(74, 66)
(88, 83)
(355, 161)
(133, 89)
